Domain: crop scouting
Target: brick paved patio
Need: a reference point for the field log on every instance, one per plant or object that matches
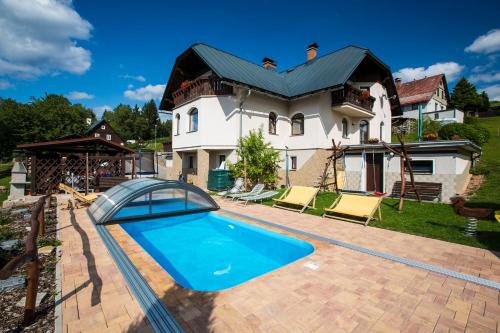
(349, 292)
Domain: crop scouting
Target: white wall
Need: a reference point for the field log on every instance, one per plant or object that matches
(219, 121)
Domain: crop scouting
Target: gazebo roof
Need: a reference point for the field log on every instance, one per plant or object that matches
(77, 145)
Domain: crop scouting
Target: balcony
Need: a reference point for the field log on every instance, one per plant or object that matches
(200, 87)
(352, 102)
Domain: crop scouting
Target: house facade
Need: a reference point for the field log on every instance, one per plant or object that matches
(216, 98)
(431, 95)
(102, 129)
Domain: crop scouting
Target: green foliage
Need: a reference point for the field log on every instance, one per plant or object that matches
(480, 169)
(258, 157)
(41, 242)
(430, 126)
(465, 97)
(136, 124)
(42, 119)
(473, 132)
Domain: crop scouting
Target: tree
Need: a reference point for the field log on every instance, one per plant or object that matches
(465, 96)
(257, 160)
(150, 113)
(484, 102)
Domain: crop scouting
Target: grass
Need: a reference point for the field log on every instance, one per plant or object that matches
(4, 179)
(489, 194)
(432, 220)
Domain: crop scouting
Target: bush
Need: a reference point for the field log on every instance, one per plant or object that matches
(479, 170)
(473, 132)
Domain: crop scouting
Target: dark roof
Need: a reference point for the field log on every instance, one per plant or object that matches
(75, 145)
(418, 91)
(323, 72)
(423, 146)
(96, 124)
(327, 71)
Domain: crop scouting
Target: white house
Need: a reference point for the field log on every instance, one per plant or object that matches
(215, 98)
(431, 95)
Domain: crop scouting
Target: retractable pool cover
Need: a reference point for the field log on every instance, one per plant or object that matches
(149, 198)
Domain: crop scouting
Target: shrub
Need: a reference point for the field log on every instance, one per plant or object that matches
(479, 170)
(473, 132)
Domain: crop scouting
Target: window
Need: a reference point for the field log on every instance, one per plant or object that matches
(103, 127)
(442, 107)
(435, 106)
(193, 120)
(422, 167)
(363, 131)
(272, 123)
(293, 162)
(108, 137)
(382, 131)
(345, 128)
(177, 123)
(191, 162)
(222, 159)
(298, 124)
(381, 102)
(97, 135)
(436, 115)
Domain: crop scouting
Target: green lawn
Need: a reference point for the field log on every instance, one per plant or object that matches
(4, 179)
(424, 219)
(489, 193)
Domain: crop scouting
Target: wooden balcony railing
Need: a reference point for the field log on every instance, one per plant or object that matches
(349, 94)
(199, 87)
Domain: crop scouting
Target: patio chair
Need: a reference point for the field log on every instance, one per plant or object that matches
(238, 184)
(86, 199)
(360, 206)
(261, 196)
(257, 189)
(297, 196)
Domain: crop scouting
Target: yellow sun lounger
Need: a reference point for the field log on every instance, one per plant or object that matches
(86, 199)
(497, 215)
(298, 196)
(356, 205)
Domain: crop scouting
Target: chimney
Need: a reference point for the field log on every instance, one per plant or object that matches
(398, 83)
(312, 51)
(268, 63)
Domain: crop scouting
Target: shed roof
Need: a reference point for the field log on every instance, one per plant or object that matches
(76, 145)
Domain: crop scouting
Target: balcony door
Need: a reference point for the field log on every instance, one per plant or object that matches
(364, 132)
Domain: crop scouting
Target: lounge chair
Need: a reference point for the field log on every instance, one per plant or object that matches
(86, 199)
(257, 189)
(355, 205)
(298, 196)
(238, 184)
(497, 215)
(261, 196)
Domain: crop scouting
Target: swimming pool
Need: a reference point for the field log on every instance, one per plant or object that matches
(210, 252)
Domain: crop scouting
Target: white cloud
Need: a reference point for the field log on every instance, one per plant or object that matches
(99, 110)
(493, 92)
(139, 78)
(4, 84)
(38, 38)
(486, 77)
(79, 95)
(488, 43)
(145, 93)
(451, 69)
(130, 86)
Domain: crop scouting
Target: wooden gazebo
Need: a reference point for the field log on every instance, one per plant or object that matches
(79, 162)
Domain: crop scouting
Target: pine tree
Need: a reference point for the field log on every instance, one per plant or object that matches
(465, 96)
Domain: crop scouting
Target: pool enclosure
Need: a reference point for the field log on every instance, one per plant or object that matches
(149, 198)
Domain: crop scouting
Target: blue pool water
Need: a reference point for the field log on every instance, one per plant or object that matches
(209, 252)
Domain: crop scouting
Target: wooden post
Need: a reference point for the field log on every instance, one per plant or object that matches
(33, 174)
(133, 167)
(403, 183)
(41, 221)
(33, 271)
(335, 166)
(86, 173)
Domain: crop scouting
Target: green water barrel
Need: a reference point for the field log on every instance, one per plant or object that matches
(219, 180)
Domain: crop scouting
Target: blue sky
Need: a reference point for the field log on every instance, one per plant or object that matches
(101, 53)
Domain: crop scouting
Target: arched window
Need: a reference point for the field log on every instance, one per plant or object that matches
(177, 123)
(272, 123)
(345, 128)
(193, 120)
(364, 131)
(298, 124)
(382, 131)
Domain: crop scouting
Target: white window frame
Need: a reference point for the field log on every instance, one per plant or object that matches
(96, 135)
(108, 137)
(433, 161)
(291, 162)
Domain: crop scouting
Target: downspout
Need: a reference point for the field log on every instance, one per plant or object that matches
(242, 101)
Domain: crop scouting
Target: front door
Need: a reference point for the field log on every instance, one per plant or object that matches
(374, 172)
